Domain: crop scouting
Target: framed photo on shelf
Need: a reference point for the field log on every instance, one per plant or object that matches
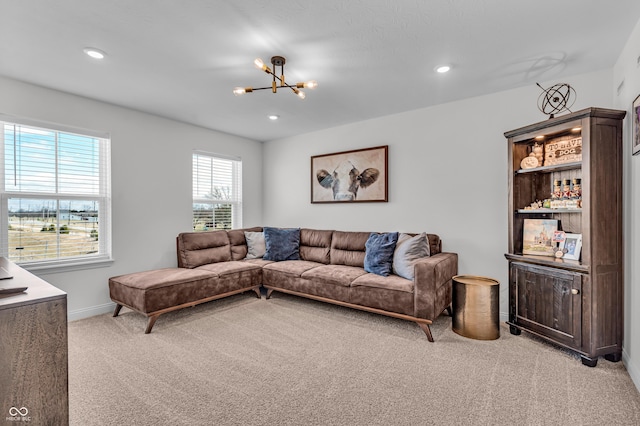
(635, 123)
(571, 246)
(537, 237)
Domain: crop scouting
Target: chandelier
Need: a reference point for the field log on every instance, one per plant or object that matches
(278, 82)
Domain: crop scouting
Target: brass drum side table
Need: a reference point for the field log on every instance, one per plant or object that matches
(476, 305)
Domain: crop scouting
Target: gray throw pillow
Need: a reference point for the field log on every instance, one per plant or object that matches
(408, 251)
(255, 244)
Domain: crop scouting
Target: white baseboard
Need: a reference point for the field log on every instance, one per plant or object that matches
(90, 311)
(632, 369)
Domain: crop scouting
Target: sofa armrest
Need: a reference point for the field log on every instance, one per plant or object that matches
(432, 284)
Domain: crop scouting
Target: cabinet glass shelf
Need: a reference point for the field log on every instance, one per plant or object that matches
(547, 211)
(551, 169)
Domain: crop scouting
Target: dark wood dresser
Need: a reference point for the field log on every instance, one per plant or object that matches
(33, 351)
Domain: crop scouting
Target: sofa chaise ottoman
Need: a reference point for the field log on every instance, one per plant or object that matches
(159, 291)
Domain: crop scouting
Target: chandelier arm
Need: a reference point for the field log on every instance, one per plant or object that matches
(278, 78)
(282, 86)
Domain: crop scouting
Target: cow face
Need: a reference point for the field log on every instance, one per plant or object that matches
(346, 179)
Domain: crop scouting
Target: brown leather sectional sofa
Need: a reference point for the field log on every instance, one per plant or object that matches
(212, 265)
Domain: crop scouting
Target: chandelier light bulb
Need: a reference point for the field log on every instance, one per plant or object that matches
(261, 65)
(301, 94)
(443, 69)
(241, 90)
(312, 84)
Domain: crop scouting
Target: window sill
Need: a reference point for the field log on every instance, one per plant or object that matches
(71, 265)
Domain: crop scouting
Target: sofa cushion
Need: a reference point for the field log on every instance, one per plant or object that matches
(409, 250)
(348, 248)
(199, 248)
(238, 241)
(151, 291)
(315, 245)
(379, 253)
(260, 262)
(226, 268)
(292, 267)
(282, 244)
(392, 282)
(334, 274)
(435, 244)
(255, 245)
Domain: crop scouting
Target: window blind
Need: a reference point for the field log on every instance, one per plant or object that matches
(217, 192)
(55, 195)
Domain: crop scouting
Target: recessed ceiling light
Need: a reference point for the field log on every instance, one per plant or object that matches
(94, 53)
(273, 117)
(443, 68)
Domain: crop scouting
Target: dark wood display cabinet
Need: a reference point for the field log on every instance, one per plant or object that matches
(574, 303)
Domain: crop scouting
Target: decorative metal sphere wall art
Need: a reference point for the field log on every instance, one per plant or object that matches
(557, 98)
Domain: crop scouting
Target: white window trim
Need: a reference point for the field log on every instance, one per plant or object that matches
(104, 225)
(237, 212)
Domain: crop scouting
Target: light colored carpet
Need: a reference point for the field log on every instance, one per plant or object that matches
(292, 361)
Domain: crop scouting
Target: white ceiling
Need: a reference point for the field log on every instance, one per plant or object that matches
(181, 59)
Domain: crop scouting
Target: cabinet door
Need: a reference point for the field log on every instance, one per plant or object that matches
(547, 301)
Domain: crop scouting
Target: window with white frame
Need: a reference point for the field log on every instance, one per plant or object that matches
(217, 192)
(55, 194)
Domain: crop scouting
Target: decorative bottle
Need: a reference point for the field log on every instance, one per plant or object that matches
(566, 189)
(557, 190)
(576, 191)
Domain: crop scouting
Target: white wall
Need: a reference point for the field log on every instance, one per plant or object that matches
(447, 173)
(627, 70)
(151, 182)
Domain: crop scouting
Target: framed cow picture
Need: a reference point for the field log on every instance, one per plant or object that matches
(357, 176)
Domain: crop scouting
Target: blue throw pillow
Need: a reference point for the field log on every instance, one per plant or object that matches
(378, 255)
(281, 244)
